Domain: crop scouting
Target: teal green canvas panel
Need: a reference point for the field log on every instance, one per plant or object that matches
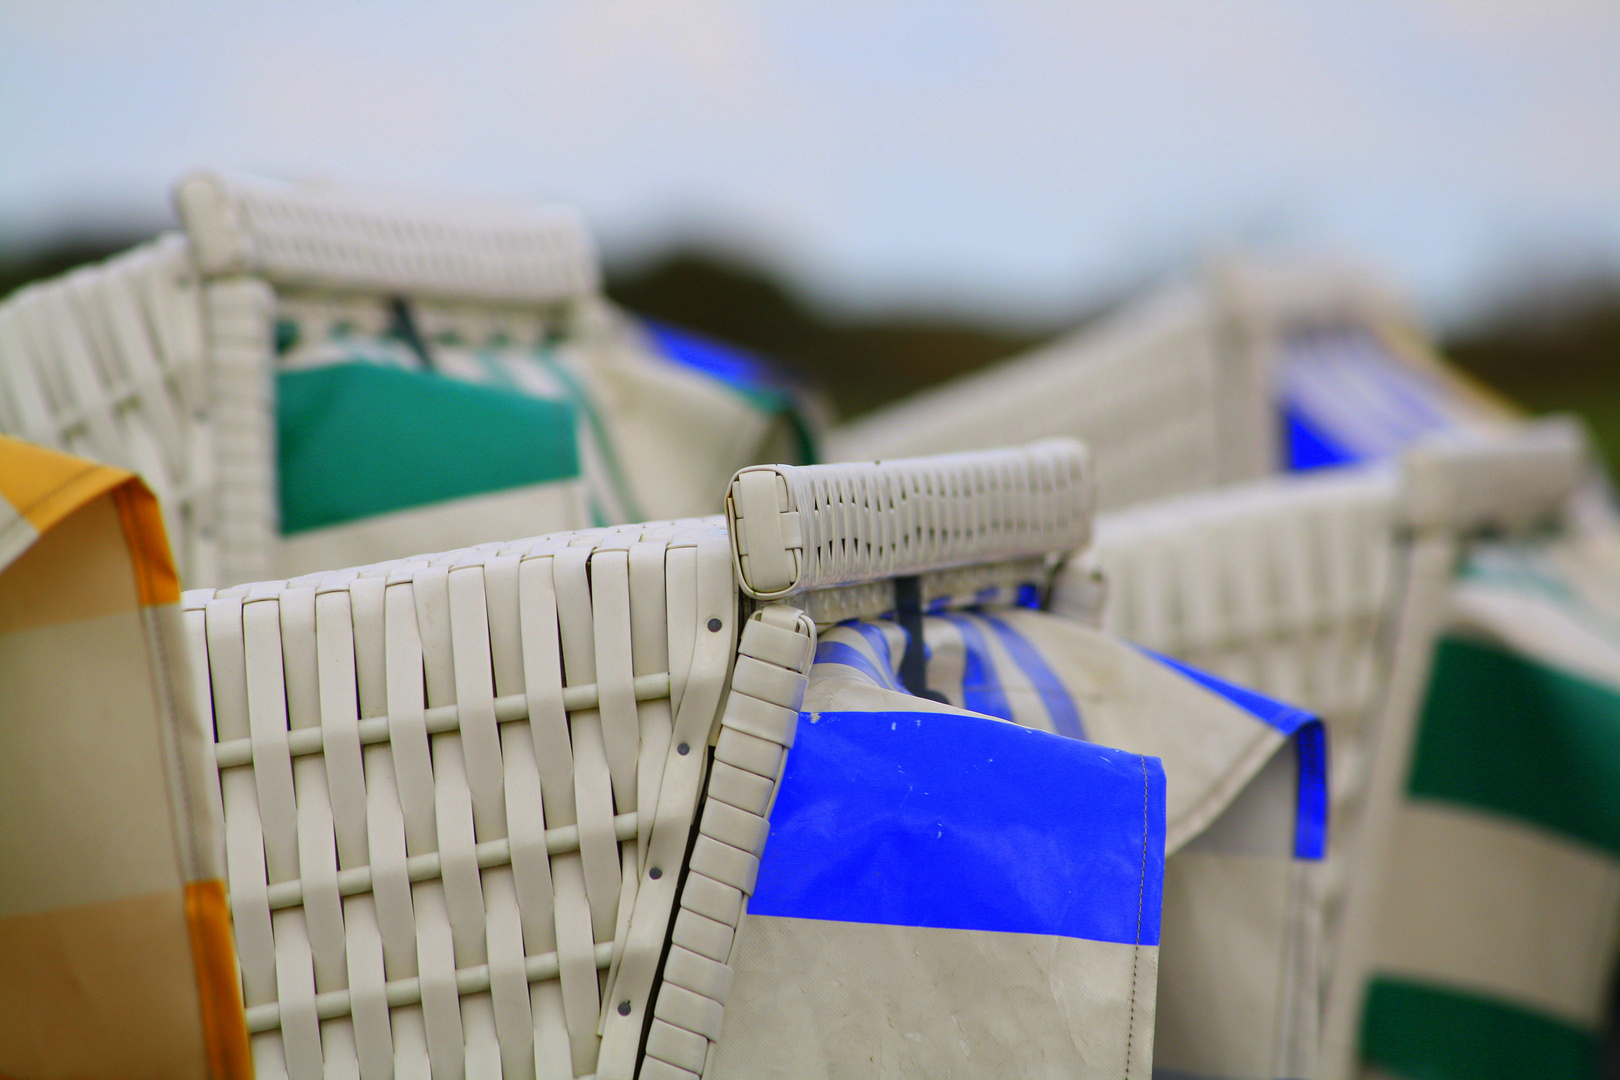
(1435, 1033)
(360, 439)
(1503, 733)
(1523, 741)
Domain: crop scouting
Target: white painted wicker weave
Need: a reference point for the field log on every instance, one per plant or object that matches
(161, 360)
(1156, 392)
(323, 238)
(1327, 590)
(804, 528)
(109, 363)
(460, 789)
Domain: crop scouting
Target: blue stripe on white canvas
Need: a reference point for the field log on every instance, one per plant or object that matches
(1060, 706)
(1308, 447)
(943, 820)
(1345, 388)
(878, 639)
(839, 652)
(981, 687)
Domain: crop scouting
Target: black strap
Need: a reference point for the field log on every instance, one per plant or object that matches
(402, 325)
(914, 661)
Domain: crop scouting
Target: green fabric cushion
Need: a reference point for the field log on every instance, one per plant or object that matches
(358, 439)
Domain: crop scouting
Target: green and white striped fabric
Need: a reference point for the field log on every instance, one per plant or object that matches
(1502, 904)
(1501, 901)
(386, 448)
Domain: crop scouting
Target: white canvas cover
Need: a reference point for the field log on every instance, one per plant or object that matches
(1245, 810)
(945, 894)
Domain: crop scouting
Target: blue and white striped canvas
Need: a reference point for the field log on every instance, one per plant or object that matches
(946, 894)
(1345, 397)
(1246, 817)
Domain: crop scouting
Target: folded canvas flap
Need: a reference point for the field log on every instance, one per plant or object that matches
(1052, 673)
(115, 946)
(944, 894)
(1247, 810)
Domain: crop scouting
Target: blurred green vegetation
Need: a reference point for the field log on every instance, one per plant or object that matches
(1561, 354)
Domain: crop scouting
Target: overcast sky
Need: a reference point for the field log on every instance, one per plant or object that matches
(1012, 160)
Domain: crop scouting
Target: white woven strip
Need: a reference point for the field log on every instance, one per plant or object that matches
(414, 800)
(702, 630)
(796, 528)
(237, 317)
(107, 362)
(427, 867)
(397, 992)
(26, 412)
(756, 729)
(307, 235)
(439, 719)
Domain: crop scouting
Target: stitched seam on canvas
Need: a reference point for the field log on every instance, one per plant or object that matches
(1136, 954)
(1286, 1019)
(142, 550)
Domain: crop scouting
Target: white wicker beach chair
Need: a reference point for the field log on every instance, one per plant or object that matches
(459, 789)
(266, 372)
(1327, 590)
(1244, 829)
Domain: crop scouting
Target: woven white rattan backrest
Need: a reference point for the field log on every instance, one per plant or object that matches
(109, 363)
(1157, 392)
(162, 360)
(461, 791)
(1282, 585)
(458, 791)
(801, 528)
(305, 235)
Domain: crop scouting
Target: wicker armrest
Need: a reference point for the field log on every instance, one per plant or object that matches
(301, 235)
(836, 537)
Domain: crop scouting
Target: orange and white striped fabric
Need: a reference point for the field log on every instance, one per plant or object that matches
(116, 956)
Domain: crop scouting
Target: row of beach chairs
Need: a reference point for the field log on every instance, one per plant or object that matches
(502, 811)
